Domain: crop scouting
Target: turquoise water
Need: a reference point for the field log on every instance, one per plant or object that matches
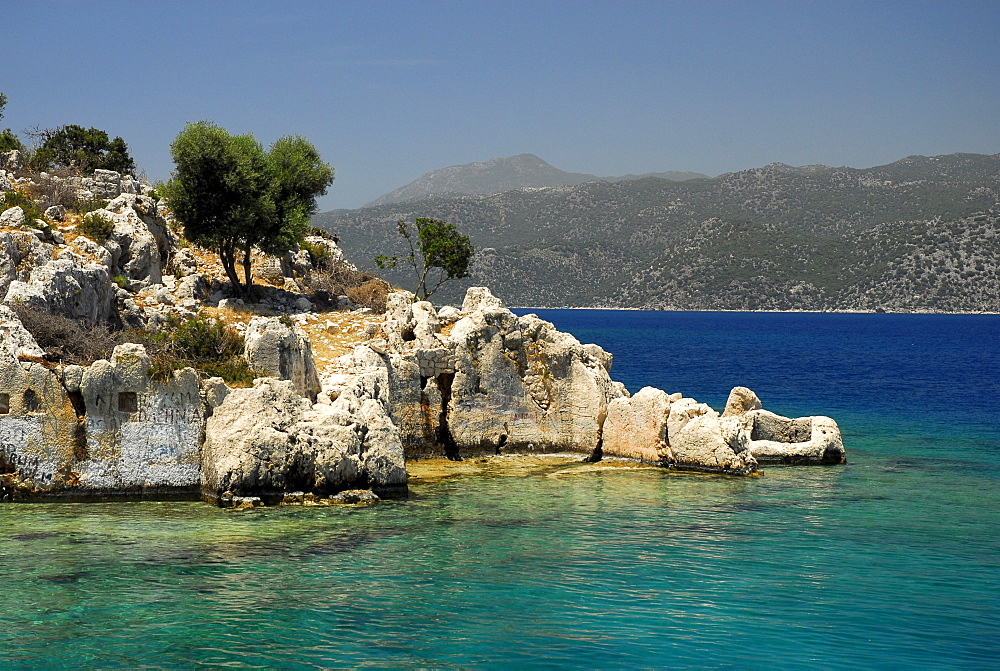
(891, 561)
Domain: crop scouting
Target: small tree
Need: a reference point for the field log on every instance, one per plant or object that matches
(8, 140)
(86, 149)
(433, 244)
(231, 195)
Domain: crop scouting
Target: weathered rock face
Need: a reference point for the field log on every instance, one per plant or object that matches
(142, 236)
(67, 287)
(281, 351)
(676, 432)
(268, 441)
(806, 440)
(105, 431)
(496, 384)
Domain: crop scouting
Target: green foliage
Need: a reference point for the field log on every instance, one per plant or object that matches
(120, 280)
(318, 254)
(232, 196)
(31, 210)
(85, 205)
(96, 226)
(434, 245)
(9, 141)
(207, 345)
(86, 149)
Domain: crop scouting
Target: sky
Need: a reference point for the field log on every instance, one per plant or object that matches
(387, 91)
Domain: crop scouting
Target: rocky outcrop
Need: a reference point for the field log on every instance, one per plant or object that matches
(806, 440)
(268, 441)
(107, 430)
(278, 350)
(68, 287)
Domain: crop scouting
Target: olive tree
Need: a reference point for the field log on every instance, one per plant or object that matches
(438, 252)
(87, 149)
(231, 196)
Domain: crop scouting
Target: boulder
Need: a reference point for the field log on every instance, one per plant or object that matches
(11, 161)
(281, 351)
(698, 439)
(12, 217)
(498, 383)
(268, 441)
(56, 213)
(15, 338)
(636, 427)
(741, 400)
(142, 236)
(805, 440)
(63, 286)
(19, 253)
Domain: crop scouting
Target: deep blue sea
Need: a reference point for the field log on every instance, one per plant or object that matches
(892, 561)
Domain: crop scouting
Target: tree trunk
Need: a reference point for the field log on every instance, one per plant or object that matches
(227, 255)
(248, 272)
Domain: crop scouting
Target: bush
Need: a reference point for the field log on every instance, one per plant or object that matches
(96, 226)
(53, 189)
(9, 141)
(207, 345)
(68, 340)
(84, 149)
(85, 205)
(372, 294)
(30, 208)
(336, 278)
(318, 254)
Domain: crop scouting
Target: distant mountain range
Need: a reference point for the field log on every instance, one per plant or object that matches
(501, 174)
(920, 234)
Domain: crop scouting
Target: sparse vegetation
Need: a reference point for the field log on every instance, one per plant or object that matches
(207, 345)
(27, 205)
(96, 226)
(434, 245)
(68, 340)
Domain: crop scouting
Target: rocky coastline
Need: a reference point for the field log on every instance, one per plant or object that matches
(417, 382)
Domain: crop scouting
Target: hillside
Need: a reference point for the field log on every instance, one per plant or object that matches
(500, 174)
(917, 234)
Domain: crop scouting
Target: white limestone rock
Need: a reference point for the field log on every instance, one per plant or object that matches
(698, 439)
(268, 441)
(284, 352)
(805, 440)
(636, 427)
(16, 339)
(65, 287)
(12, 217)
(19, 253)
(741, 401)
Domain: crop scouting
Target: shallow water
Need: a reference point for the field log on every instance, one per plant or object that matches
(889, 561)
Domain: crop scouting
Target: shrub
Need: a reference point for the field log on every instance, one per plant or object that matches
(318, 254)
(30, 208)
(85, 205)
(120, 280)
(207, 345)
(372, 294)
(9, 141)
(85, 149)
(54, 189)
(96, 226)
(68, 340)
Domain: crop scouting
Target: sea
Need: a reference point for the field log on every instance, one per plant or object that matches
(890, 561)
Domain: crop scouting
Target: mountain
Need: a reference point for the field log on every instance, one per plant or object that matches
(500, 174)
(917, 234)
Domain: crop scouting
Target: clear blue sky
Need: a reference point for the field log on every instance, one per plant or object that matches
(390, 90)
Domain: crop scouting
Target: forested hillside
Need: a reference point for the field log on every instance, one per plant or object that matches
(917, 234)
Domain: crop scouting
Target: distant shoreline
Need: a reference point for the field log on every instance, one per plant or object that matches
(821, 312)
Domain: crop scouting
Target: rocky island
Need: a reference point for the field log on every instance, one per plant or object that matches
(342, 396)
